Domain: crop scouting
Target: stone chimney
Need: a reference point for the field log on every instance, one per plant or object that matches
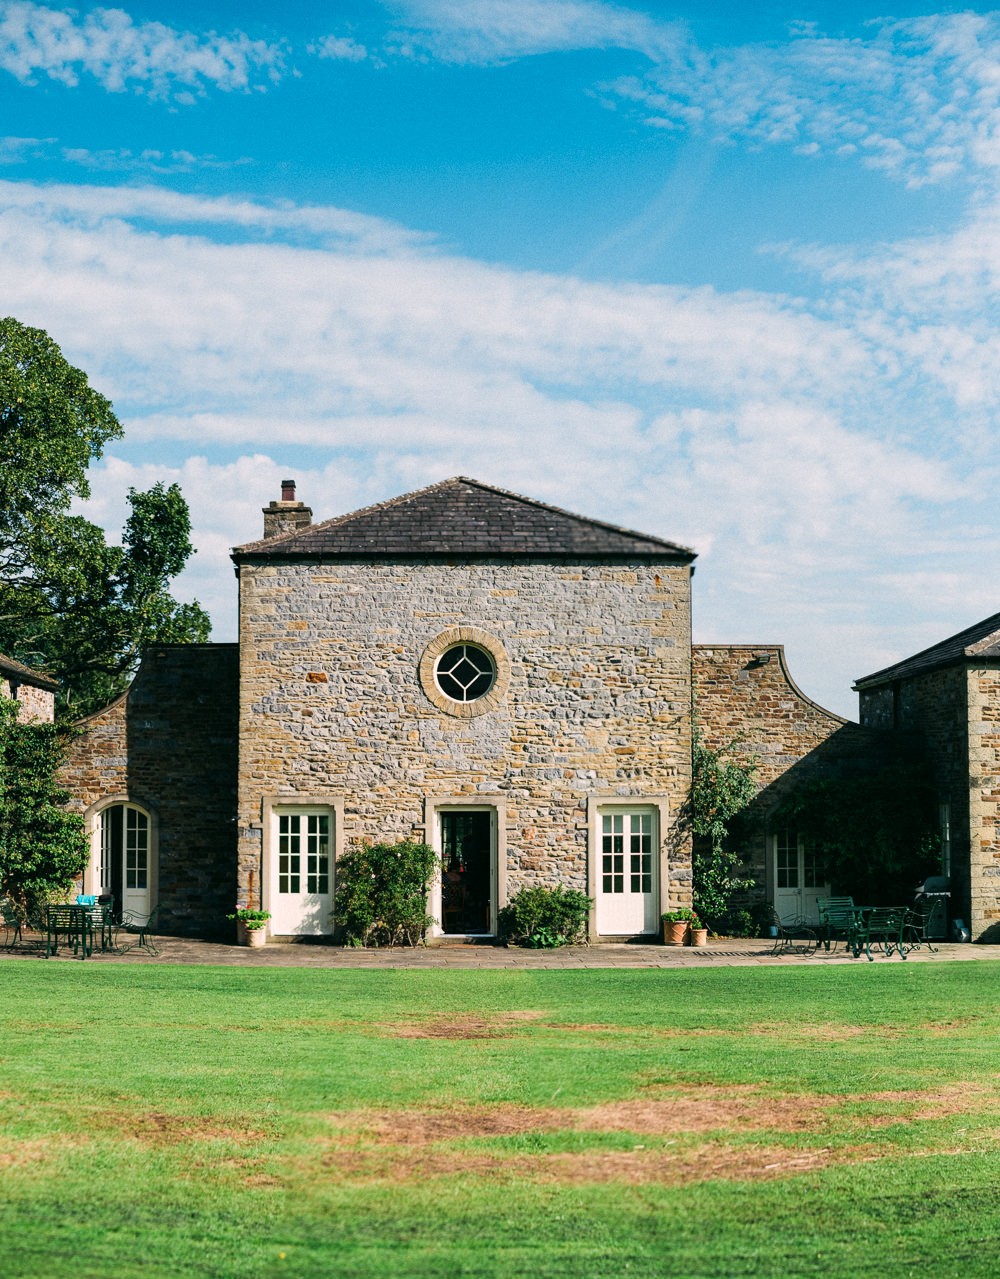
(286, 516)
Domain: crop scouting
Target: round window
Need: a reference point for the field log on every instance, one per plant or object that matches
(465, 672)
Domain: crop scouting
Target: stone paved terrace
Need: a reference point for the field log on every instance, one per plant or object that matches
(722, 952)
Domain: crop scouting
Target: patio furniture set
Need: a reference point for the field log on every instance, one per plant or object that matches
(82, 926)
(886, 929)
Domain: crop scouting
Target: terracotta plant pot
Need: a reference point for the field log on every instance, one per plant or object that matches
(699, 936)
(250, 936)
(675, 934)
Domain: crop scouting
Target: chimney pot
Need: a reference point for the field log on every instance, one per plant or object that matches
(288, 515)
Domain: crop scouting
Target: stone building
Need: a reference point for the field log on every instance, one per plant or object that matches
(461, 665)
(34, 693)
(502, 679)
(949, 697)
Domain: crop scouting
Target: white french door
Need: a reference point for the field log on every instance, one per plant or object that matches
(796, 877)
(627, 891)
(124, 869)
(301, 896)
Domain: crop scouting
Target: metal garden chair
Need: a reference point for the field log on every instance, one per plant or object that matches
(142, 926)
(838, 919)
(791, 935)
(886, 927)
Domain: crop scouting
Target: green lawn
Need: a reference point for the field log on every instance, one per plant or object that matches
(189, 1121)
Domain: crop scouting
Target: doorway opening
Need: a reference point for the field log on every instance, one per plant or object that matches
(467, 874)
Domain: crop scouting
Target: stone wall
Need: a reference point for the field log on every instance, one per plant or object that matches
(169, 746)
(984, 802)
(34, 704)
(597, 700)
(747, 702)
(744, 695)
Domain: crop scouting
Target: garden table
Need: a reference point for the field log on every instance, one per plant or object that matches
(78, 925)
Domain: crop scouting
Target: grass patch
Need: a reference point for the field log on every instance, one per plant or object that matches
(203, 1122)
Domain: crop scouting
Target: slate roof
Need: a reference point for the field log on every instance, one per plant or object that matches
(25, 675)
(980, 641)
(463, 518)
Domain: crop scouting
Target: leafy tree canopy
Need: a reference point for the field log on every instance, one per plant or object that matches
(70, 603)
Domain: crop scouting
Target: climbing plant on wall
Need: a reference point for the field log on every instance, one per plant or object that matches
(722, 788)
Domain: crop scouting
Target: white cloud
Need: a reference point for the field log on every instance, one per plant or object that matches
(364, 361)
(316, 225)
(145, 162)
(146, 57)
(928, 304)
(20, 150)
(917, 98)
(483, 31)
(339, 48)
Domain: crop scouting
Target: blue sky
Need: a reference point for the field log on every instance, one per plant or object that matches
(722, 273)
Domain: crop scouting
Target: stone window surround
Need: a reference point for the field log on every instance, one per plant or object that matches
(89, 882)
(597, 806)
(486, 802)
(490, 701)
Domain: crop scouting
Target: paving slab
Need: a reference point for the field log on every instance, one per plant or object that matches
(720, 952)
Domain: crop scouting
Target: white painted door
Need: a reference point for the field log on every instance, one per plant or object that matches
(301, 895)
(124, 870)
(797, 878)
(626, 883)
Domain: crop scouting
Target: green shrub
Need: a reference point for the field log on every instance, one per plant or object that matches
(545, 917)
(42, 847)
(381, 897)
(250, 919)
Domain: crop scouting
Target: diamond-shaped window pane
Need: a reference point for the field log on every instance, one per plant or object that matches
(465, 673)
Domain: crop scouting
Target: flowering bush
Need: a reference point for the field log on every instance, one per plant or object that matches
(381, 897)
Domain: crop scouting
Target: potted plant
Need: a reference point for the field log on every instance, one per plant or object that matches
(697, 933)
(251, 926)
(676, 924)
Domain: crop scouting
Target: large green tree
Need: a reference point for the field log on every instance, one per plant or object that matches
(70, 603)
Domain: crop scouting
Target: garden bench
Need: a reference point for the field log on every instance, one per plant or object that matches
(886, 927)
(12, 919)
(143, 926)
(920, 921)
